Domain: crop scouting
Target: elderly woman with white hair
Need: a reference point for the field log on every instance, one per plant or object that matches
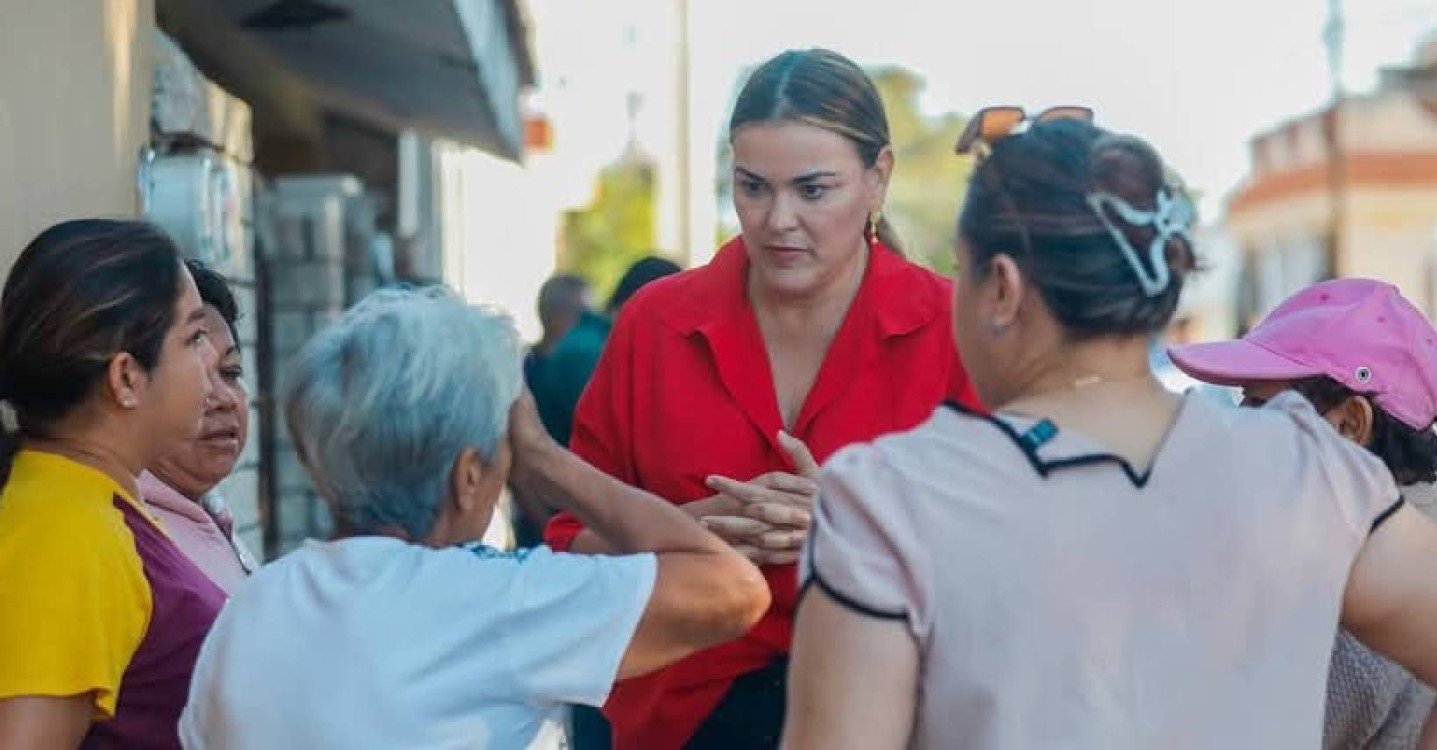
(409, 416)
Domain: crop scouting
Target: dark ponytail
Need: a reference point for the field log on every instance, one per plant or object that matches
(80, 293)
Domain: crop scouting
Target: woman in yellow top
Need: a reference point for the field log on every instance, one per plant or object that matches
(104, 363)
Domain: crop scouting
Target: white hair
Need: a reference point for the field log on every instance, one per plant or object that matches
(381, 404)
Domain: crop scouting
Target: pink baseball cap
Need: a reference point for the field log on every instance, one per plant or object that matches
(1360, 332)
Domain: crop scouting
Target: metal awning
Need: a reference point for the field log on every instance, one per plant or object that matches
(452, 68)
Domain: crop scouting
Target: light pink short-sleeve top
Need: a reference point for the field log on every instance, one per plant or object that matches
(1061, 598)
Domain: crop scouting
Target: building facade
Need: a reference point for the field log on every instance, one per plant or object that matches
(1349, 190)
(293, 146)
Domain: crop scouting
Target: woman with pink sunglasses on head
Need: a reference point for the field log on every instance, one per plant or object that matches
(1367, 361)
(1097, 562)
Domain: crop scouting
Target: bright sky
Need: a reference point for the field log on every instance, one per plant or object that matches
(1195, 77)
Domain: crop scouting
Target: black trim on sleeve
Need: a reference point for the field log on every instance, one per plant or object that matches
(1386, 514)
(838, 596)
(844, 600)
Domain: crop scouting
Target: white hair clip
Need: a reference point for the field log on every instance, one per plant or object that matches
(1172, 217)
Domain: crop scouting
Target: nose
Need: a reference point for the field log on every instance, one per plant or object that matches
(782, 213)
(219, 396)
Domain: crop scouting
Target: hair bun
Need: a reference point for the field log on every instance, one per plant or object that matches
(1095, 220)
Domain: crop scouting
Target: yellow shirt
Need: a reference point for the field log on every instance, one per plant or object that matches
(74, 600)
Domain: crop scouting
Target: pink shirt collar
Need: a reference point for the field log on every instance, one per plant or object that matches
(195, 532)
(161, 496)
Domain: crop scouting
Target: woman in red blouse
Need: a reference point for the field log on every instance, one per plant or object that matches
(810, 323)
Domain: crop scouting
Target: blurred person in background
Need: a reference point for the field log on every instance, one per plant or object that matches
(180, 487)
(559, 366)
(406, 631)
(806, 333)
(1098, 562)
(643, 272)
(556, 371)
(1366, 359)
(105, 364)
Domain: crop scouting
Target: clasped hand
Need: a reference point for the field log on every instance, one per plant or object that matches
(766, 518)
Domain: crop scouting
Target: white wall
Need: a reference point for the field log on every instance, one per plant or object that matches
(499, 226)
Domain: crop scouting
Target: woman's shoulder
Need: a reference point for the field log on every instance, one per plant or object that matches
(61, 520)
(1288, 419)
(689, 298)
(1343, 460)
(48, 490)
(952, 439)
(668, 290)
(892, 263)
(1288, 444)
(937, 288)
(907, 297)
(895, 493)
(923, 275)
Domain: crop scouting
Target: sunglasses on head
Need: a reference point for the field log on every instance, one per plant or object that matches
(993, 124)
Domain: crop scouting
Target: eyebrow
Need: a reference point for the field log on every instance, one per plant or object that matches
(196, 314)
(805, 177)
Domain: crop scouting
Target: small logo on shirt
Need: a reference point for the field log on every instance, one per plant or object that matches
(1038, 434)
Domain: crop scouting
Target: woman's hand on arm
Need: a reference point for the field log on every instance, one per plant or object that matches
(765, 519)
(853, 679)
(35, 722)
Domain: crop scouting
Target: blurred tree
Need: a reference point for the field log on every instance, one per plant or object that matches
(616, 229)
(929, 180)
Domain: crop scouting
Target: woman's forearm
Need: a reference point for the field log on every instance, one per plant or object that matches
(620, 518)
(589, 543)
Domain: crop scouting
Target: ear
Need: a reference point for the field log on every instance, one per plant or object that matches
(879, 174)
(126, 380)
(1005, 290)
(466, 480)
(1353, 418)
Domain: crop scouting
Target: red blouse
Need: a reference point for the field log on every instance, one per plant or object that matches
(684, 390)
